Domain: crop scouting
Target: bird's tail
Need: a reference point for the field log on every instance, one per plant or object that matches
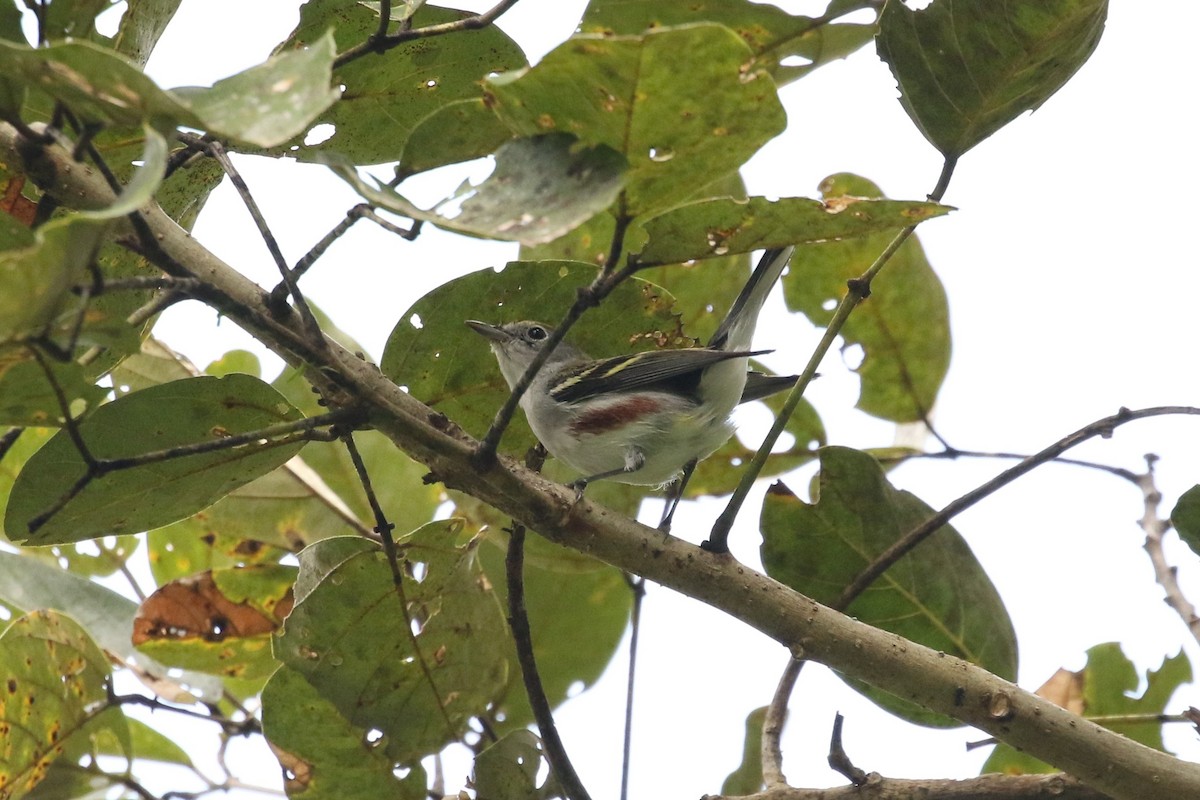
(737, 329)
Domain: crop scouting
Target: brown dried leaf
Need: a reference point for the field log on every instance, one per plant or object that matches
(1065, 688)
(194, 608)
(15, 204)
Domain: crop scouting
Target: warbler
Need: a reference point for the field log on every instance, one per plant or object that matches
(645, 418)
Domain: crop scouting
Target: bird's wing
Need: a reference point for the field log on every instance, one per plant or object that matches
(680, 368)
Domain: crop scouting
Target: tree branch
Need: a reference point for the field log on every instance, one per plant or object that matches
(1154, 527)
(1106, 761)
(985, 787)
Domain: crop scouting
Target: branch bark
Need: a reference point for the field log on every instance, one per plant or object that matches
(1102, 759)
(985, 787)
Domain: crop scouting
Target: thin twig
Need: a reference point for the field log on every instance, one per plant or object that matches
(1101, 427)
(233, 727)
(360, 211)
(384, 527)
(1155, 527)
(954, 453)
(302, 430)
(638, 586)
(311, 326)
(518, 620)
(380, 44)
(773, 722)
(8, 439)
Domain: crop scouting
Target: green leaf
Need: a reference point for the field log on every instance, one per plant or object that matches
(241, 361)
(937, 595)
(263, 106)
(75, 19)
(97, 84)
(1186, 518)
(324, 755)
(273, 102)
(458, 131)
(903, 329)
(682, 105)
(748, 778)
(152, 365)
(187, 412)
(388, 97)
(27, 398)
(413, 663)
(724, 225)
(578, 611)
(154, 746)
(28, 583)
(507, 770)
(445, 365)
(141, 27)
(966, 68)
(398, 481)
(10, 23)
(542, 187)
(1105, 687)
(55, 678)
(773, 35)
(297, 504)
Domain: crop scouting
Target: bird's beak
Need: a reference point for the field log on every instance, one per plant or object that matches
(493, 332)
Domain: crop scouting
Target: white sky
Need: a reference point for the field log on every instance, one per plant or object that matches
(1072, 285)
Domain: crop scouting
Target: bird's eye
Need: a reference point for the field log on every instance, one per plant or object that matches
(537, 333)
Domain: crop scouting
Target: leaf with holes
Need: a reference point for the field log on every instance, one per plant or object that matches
(508, 769)
(788, 46)
(195, 411)
(413, 661)
(966, 68)
(937, 595)
(723, 225)
(541, 188)
(387, 98)
(685, 106)
(218, 622)
(53, 698)
(29, 583)
(273, 102)
(323, 755)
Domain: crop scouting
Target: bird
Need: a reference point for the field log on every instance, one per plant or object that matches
(644, 418)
